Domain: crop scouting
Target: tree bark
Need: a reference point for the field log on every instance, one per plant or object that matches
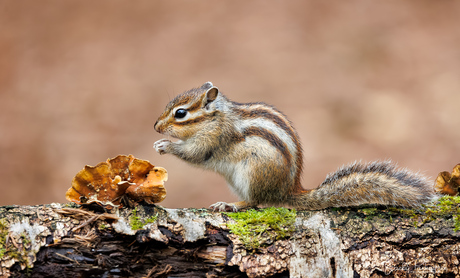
(63, 240)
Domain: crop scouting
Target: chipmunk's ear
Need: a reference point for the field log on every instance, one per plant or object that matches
(207, 85)
(210, 96)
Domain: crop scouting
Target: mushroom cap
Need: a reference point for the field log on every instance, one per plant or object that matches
(152, 189)
(108, 182)
(447, 183)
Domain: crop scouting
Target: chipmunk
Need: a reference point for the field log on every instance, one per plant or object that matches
(258, 152)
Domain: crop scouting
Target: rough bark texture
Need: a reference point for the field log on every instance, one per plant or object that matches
(69, 241)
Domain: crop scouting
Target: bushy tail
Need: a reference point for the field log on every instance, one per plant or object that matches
(373, 183)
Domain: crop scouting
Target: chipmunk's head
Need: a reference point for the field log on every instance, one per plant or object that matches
(190, 112)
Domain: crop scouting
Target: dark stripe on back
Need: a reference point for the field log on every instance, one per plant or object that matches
(263, 113)
(248, 113)
(272, 139)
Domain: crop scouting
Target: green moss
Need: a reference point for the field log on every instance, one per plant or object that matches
(202, 212)
(151, 219)
(370, 213)
(256, 228)
(10, 250)
(136, 222)
(446, 207)
(3, 235)
(457, 223)
(25, 239)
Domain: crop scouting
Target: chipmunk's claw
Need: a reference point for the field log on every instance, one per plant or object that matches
(223, 206)
(161, 146)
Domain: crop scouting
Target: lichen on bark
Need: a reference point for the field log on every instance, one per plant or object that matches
(346, 242)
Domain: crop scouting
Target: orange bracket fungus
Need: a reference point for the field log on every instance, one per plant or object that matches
(447, 183)
(119, 180)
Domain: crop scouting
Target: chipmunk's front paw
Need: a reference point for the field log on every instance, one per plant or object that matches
(161, 146)
(223, 206)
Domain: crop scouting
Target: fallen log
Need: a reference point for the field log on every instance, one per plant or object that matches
(68, 240)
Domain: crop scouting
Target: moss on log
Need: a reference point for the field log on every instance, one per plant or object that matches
(64, 240)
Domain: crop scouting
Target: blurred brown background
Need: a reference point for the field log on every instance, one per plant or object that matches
(82, 81)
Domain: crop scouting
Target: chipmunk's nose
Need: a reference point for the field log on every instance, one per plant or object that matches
(157, 127)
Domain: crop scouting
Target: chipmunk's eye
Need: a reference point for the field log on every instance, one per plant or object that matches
(180, 113)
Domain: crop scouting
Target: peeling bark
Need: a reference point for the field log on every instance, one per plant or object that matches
(70, 241)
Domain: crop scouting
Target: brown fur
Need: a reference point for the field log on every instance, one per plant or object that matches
(243, 142)
(372, 183)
